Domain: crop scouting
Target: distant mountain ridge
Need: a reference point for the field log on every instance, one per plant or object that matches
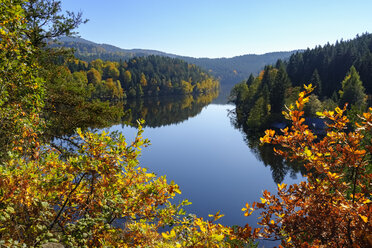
(228, 70)
(89, 50)
(235, 69)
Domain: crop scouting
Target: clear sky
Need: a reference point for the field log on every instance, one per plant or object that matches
(221, 28)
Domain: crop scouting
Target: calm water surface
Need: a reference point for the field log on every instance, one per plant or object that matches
(211, 162)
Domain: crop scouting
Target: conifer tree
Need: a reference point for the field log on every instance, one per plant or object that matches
(250, 80)
(316, 82)
(281, 84)
(352, 89)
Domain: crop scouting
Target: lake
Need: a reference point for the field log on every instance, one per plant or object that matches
(217, 166)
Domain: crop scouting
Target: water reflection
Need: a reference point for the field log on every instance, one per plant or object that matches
(64, 119)
(167, 110)
(279, 167)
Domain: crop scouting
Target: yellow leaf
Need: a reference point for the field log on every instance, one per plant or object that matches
(338, 110)
(281, 186)
(308, 152)
(219, 237)
(247, 214)
(333, 175)
(320, 114)
(308, 87)
(246, 207)
(364, 218)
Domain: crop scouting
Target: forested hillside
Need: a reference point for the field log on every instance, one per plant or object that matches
(88, 51)
(341, 73)
(228, 70)
(141, 76)
(235, 69)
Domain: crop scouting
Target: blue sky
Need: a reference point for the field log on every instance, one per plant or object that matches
(221, 28)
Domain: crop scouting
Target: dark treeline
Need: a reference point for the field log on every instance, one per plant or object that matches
(341, 73)
(143, 76)
(332, 62)
(259, 100)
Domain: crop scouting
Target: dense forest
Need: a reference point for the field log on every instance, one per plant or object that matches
(141, 76)
(341, 73)
(332, 63)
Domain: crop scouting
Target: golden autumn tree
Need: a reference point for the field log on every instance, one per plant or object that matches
(21, 88)
(143, 80)
(332, 208)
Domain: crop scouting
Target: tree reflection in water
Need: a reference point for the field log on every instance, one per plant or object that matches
(265, 153)
(63, 121)
(161, 111)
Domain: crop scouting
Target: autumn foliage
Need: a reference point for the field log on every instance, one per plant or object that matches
(99, 196)
(332, 208)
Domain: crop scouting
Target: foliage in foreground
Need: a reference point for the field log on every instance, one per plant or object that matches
(21, 90)
(332, 208)
(97, 196)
